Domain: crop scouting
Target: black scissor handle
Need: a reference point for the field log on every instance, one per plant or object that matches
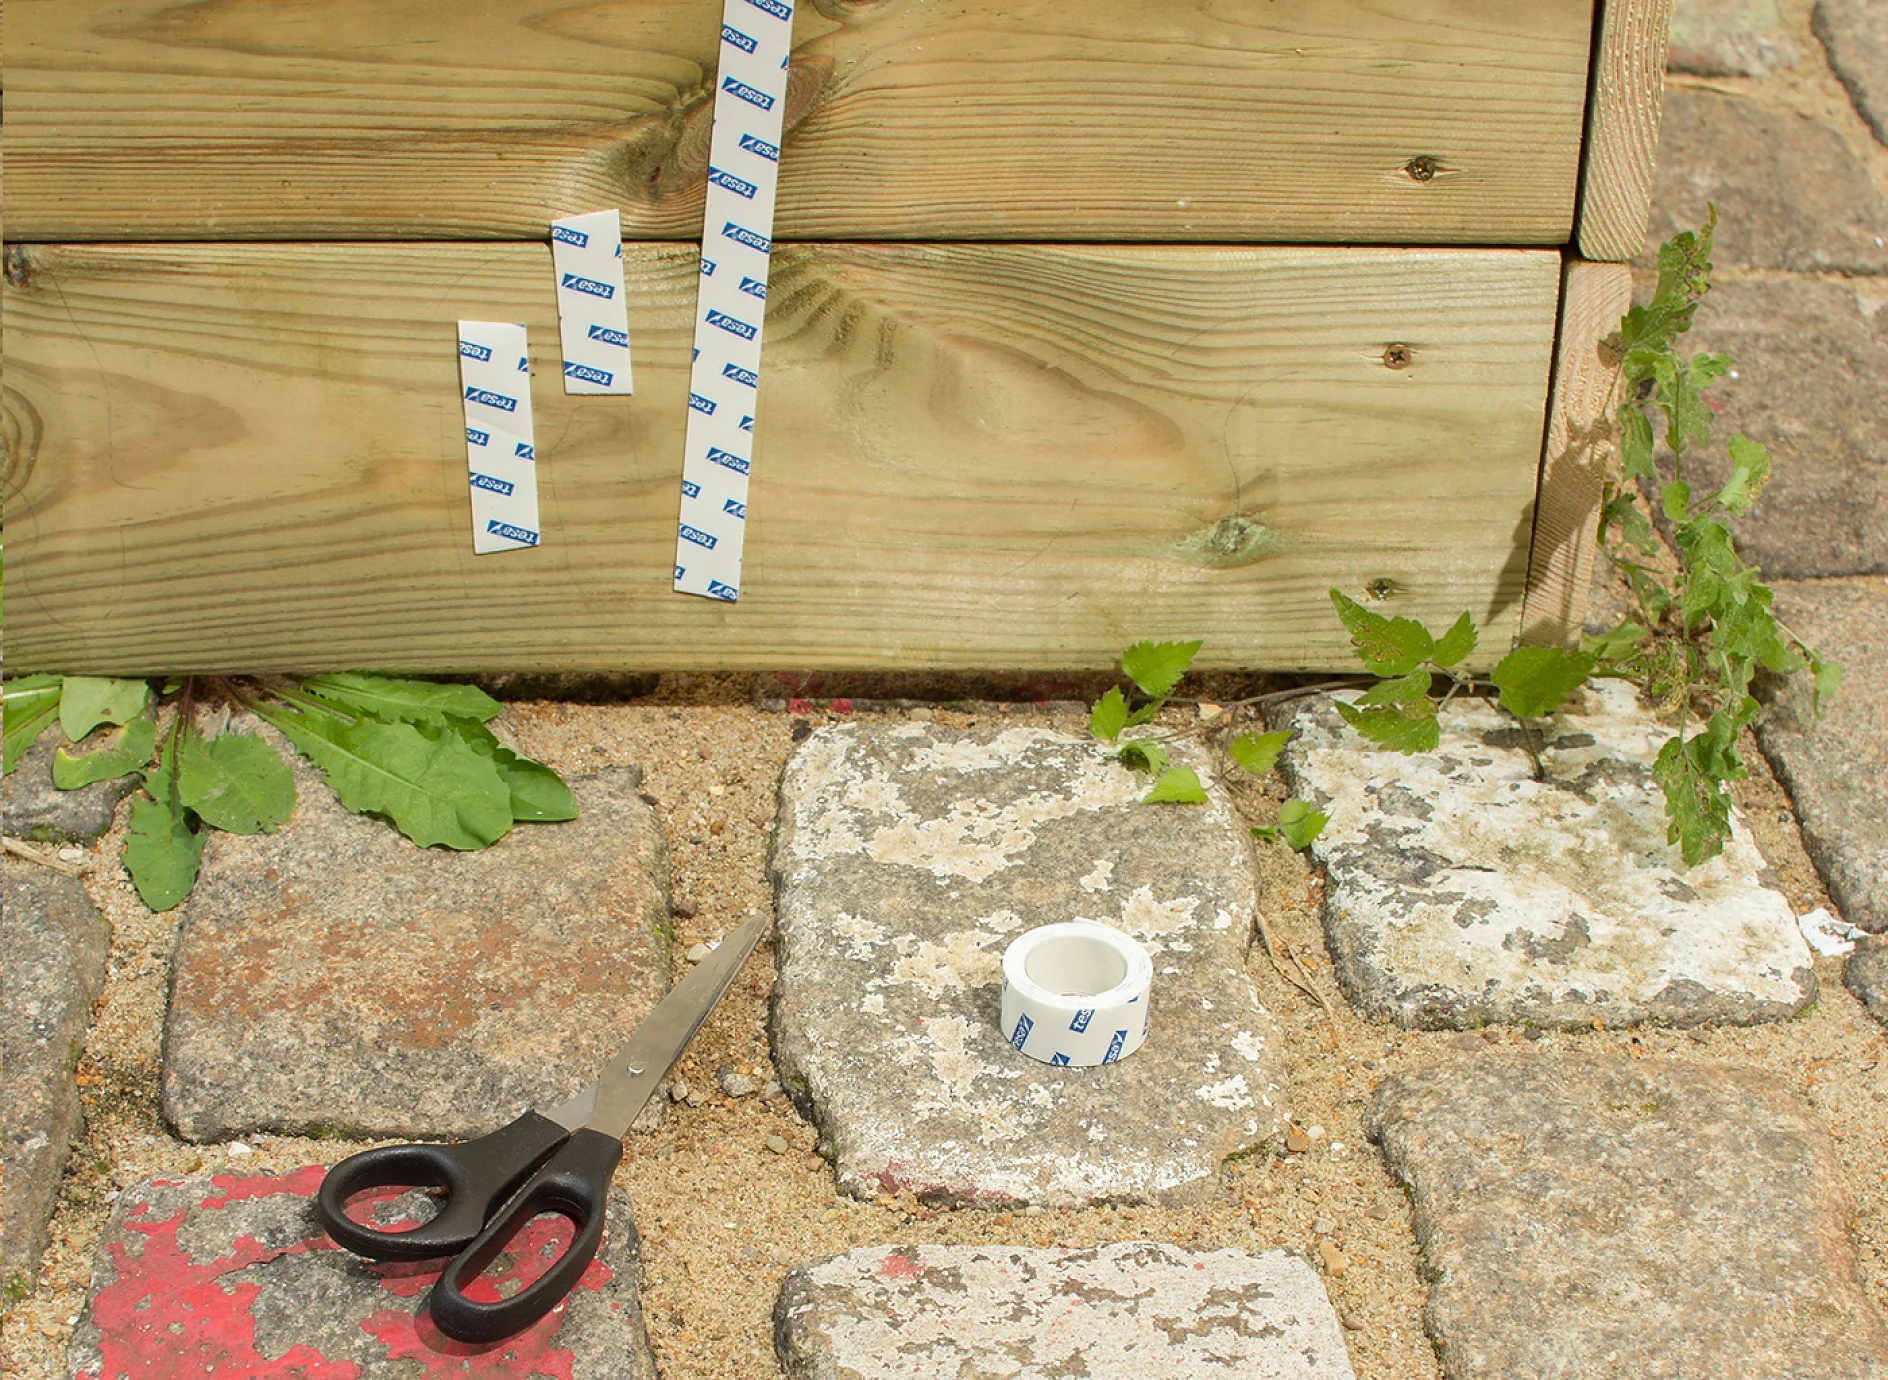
(475, 1174)
(574, 1183)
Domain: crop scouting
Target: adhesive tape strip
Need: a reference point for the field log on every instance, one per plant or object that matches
(1075, 994)
(592, 318)
(736, 250)
(495, 374)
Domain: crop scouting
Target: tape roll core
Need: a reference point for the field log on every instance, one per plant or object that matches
(1075, 994)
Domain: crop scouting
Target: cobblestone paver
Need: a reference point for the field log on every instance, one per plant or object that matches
(36, 809)
(54, 945)
(1866, 974)
(1463, 890)
(1855, 33)
(1811, 383)
(1729, 38)
(232, 1275)
(907, 860)
(1835, 764)
(332, 978)
(1788, 191)
(1586, 1216)
(1129, 1311)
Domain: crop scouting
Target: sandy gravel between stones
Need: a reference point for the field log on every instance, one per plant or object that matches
(724, 1217)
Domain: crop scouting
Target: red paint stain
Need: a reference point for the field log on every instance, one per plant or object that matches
(896, 1266)
(167, 1316)
(842, 705)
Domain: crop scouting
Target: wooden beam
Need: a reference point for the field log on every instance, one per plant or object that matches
(1581, 453)
(245, 457)
(1622, 138)
(1104, 120)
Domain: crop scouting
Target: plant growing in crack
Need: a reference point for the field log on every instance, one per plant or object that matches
(1701, 630)
(414, 752)
(1155, 668)
(1704, 624)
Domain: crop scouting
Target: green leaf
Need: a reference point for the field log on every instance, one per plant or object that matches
(538, 794)
(1697, 805)
(1537, 680)
(1147, 713)
(1407, 729)
(1622, 510)
(1299, 823)
(88, 701)
(1397, 690)
(235, 781)
(1258, 752)
(1750, 468)
(1681, 390)
(1109, 716)
(1675, 500)
(1177, 786)
(131, 752)
(1157, 666)
(402, 701)
(1614, 644)
(1827, 680)
(434, 787)
(1386, 646)
(1635, 442)
(1684, 278)
(1144, 756)
(31, 703)
(1456, 643)
(162, 851)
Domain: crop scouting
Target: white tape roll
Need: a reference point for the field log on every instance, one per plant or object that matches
(1076, 994)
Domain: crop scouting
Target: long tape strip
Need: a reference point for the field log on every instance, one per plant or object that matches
(736, 243)
(495, 374)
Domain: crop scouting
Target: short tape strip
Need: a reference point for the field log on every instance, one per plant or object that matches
(1076, 994)
(592, 317)
(495, 374)
(737, 242)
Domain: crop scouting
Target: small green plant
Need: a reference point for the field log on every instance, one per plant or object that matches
(1703, 623)
(414, 752)
(1155, 668)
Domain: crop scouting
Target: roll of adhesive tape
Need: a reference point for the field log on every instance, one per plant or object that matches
(1075, 994)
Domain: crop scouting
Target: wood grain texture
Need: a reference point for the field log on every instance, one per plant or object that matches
(1622, 138)
(1581, 454)
(1104, 120)
(250, 457)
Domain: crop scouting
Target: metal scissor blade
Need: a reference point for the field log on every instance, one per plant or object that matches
(635, 1071)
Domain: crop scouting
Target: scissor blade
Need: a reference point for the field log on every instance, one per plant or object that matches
(636, 1070)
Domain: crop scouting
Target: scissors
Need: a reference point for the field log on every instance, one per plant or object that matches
(558, 1162)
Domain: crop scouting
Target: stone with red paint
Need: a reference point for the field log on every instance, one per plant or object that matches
(334, 979)
(231, 1275)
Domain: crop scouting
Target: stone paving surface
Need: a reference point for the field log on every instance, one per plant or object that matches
(1788, 191)
(1584, 1216)
(1855, 35)
(1461, 890)
(1836, 767)
(1729, 38)
(224, 1274)
(36, 809)
(906, 861)
(55, 947)
(331, 978)
(1129, 1311)
(1811, 361)
(1866, 975)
